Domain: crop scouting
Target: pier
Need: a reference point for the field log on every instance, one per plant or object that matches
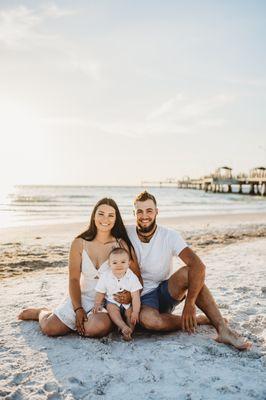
(221, 181)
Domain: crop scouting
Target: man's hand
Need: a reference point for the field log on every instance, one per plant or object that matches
(189, 321)
(134, 318)
(81, 317)
(123, 297)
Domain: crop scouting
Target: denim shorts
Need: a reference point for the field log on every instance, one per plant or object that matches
(160, 299)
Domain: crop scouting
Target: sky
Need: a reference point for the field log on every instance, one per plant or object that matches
(116, 92)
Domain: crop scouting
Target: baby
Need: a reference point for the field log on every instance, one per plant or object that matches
(115, 279)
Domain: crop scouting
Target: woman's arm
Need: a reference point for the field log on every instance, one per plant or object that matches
(74, 266)
(75, 259)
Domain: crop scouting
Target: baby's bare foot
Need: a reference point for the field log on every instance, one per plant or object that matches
(227, 336)
(126, 333)
(31, 314)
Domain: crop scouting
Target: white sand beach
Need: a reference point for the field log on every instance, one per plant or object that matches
(153, 366)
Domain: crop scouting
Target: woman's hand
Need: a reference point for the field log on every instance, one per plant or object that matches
(81, 317)
(123, 297)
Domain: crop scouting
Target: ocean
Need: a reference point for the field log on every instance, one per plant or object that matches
(35, 205)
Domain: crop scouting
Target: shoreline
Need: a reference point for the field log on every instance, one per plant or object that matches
(34, 248)
(184, 222)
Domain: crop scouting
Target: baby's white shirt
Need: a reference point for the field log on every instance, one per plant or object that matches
(109, 284)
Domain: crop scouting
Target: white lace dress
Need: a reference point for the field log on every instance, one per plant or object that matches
(88, 280)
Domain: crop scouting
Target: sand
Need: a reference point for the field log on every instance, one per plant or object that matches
(154, 366)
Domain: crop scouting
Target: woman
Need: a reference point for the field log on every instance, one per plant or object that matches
(88, 254)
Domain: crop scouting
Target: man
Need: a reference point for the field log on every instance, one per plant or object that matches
(155, 247)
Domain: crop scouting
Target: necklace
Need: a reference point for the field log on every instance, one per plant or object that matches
(145, 238)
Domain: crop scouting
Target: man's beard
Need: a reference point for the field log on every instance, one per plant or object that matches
(146, 229)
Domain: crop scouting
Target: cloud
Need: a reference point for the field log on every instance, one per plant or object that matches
(183, 108)
(179, 115)
(23, 29)
(53, 11)
(20, 27)
(16, 25)
(253, 82)
(165, 108)
(85, 65)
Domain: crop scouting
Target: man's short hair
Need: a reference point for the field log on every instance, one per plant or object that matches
(119, 250)
(143, 196)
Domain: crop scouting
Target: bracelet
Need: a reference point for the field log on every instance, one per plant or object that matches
(78, 308)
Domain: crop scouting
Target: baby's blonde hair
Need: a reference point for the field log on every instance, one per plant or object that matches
(118, 250)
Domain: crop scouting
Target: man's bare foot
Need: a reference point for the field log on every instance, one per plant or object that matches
(31, 314)
(227, 336)
(203, 320)
(126, 333)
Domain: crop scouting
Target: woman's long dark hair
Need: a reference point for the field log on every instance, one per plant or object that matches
(118, 230)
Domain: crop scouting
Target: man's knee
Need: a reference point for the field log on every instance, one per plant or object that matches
(151, 320)
(182, 275)
(178, 283)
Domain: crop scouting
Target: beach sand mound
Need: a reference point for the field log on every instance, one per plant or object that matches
(152, 366)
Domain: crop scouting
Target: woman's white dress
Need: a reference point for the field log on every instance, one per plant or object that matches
(88, 279)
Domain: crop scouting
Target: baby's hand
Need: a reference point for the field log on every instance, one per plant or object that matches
(134, 318)
(97, 308)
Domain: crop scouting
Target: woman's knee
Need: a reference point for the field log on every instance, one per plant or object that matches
(52, 327)
(98, 328)
(49, 329)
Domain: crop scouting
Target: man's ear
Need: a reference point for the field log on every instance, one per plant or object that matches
(157, 211)
(134, 212)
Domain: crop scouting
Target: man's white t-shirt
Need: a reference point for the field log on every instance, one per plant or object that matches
(156, 257)
(109, 284)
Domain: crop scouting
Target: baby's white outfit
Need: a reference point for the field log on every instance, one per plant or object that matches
(110, 284)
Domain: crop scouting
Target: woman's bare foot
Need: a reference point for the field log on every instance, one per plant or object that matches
(203, 320)
(227, 336)
(126, 333)
(31, 314)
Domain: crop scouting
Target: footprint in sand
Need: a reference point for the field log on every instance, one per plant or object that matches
(74, 380)
(51, 387)
(4, 393)
(54, 396)
(101, 384)
(232, 389)
(20, 377)
(16, 395)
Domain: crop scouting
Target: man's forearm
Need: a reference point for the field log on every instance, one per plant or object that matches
(196, 277)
